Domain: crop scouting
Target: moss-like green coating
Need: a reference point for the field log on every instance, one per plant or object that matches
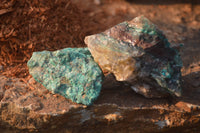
(71, 72)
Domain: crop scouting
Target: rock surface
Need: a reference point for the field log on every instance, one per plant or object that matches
(138, 53)
(29, 106)
(70, 72)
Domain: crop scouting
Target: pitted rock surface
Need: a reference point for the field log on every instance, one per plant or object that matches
(28, 106)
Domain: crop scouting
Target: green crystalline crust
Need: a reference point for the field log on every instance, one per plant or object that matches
(70, 72)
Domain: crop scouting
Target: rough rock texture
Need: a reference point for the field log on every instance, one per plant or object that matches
(70, 72)
(29, 106)
(138, 53)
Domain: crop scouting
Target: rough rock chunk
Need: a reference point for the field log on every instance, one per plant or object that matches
(138, 53)
(70, 72)
(35, 110)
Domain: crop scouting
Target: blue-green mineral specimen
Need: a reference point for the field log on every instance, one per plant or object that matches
(71, 72)
(138, 53)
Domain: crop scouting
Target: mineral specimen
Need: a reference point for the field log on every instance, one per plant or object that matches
(139, 54)
(71, 72)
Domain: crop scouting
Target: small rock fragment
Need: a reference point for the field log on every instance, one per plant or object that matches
(1, 68)
(138, 53)
(97, 2)
(70, 72)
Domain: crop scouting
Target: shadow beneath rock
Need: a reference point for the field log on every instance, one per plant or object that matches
(190, 52)
(116, 93)
(191, 88)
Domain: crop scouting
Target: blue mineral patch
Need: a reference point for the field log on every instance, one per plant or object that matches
(71, 72)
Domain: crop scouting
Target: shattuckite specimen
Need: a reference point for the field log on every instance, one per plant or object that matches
(71, 72)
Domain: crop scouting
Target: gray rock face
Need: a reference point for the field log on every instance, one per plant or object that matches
(70, 72)
(138, 53)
